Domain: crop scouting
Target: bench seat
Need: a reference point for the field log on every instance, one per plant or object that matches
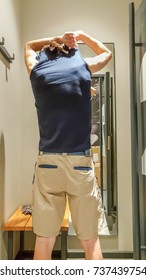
(21, 223)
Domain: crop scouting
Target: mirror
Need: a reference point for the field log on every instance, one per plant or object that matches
(103, 135)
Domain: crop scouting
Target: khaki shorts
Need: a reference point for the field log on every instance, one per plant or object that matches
(55, 176)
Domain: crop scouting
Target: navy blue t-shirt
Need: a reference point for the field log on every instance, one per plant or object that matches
(61, 85)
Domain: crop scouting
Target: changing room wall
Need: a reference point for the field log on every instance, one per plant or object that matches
(10, 115)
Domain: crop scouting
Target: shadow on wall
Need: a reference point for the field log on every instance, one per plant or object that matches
(2, 184)
(2, 177)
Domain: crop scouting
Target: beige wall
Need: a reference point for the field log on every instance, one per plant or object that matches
(10, 115)
(107, 21)
(137, 3)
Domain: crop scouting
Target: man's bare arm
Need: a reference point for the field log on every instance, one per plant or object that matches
(32, 47)
(103, 54)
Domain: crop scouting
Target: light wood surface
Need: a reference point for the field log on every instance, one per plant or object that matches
(21, 222)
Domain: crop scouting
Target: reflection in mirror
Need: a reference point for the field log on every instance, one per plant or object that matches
(103, 135)
(143, 105)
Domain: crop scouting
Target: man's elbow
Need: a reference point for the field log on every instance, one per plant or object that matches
(110, 55)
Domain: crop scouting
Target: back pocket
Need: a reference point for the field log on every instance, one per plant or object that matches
(85, 168)
(51, 166)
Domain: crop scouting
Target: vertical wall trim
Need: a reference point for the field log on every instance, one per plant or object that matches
(134, 136)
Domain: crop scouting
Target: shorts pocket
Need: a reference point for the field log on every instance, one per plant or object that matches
(85, 168)
(51, 166)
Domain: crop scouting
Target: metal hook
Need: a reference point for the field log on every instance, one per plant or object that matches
(3, 41)
(5, 52)
(12, 58)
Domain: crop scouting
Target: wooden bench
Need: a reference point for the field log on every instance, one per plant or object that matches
(21, 223)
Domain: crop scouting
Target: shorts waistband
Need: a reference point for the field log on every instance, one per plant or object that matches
(86, 153)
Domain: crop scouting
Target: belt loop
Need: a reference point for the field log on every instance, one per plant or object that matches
(87, 153)
(64, 154)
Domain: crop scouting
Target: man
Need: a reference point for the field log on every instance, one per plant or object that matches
(61, 83)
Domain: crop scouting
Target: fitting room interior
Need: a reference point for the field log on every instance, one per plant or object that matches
(118, 133)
